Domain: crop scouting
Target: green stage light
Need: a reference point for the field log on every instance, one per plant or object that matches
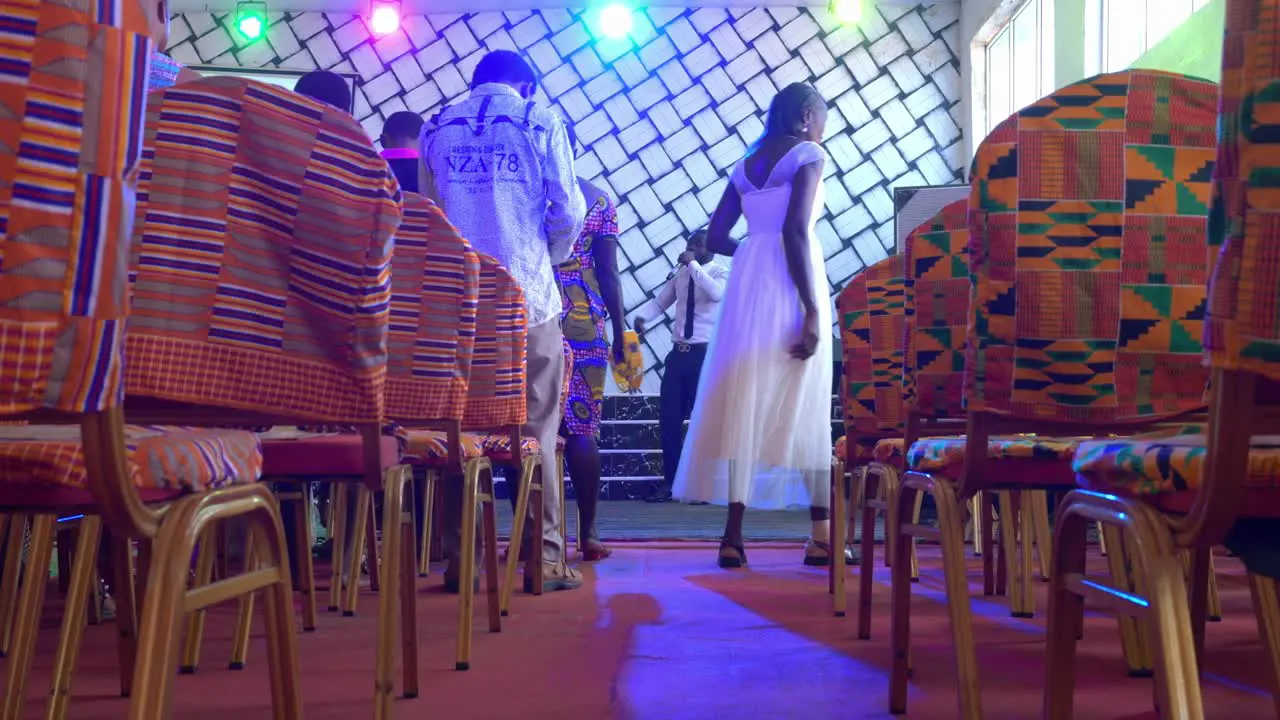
(251, 20)
(847, 12)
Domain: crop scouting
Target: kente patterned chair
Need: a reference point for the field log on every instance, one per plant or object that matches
(1187, 492)
(495, 407)
(1087, 251)
(73, 107)
(262, 258)
(871, 312)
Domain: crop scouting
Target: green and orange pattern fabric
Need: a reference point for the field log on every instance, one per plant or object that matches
(159, 458)
(1088, 252)
(941, 453)
(72, 107)
(435, 292)
(1168, 462)
(936, 269)
(262, 255)
(1244, 327)
(871, 312)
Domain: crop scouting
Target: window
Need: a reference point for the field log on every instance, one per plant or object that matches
(1019, 62)
(1132, 27)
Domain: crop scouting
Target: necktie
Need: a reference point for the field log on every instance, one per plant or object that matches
(688, 311)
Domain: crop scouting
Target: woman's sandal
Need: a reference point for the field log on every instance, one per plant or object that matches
(732, 555)
(818, 554)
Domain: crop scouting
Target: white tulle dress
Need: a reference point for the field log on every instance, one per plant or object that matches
(761, 427)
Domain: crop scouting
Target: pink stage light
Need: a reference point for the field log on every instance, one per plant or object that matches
(385, 18)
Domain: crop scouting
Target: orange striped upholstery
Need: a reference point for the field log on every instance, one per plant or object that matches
(435, 288)
(159, 458)
(496, 394)
(72, 77)
(262, 255)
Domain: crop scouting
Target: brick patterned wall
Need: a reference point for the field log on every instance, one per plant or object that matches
(666, 113)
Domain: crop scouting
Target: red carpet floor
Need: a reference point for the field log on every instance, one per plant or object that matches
(659, 632)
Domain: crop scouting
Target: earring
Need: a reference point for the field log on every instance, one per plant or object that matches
(804, 129)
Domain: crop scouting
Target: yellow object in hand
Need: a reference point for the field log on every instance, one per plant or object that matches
(630, 374)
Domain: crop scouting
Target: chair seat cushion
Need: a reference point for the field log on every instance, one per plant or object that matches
(945, 455)
(498, 447)
(298, 452)
(1168, 462)
(431, 447)
(889, 451)
(863, 449)
(159, 458)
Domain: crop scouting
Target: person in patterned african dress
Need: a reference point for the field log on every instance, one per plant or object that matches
(592, 294)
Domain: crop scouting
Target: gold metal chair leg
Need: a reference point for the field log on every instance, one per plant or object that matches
(26, 621)
(84, 574)
(428, 519)
(408, 590)
(839, 526)
(337, 542)
(1043, 534)
(1266, 607)
(1215, 600)
(9, 580)
(390, 598)
(466, 575)
(1009, 525)
(1133, 639)
(1102, 540)
(1065, 608)
(244, 609)
(951, 534)
(124, 592)
(184, 521)
(488, 500)
(206, 553)
(361, 535)
(1159, 582)
(515, 546)
(975, 519)
(915, 553)
(303, 537)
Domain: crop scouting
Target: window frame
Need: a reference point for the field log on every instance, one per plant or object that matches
(1098, 31)
(1044, 10)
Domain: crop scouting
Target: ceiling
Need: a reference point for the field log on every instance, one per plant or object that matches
(431, 7)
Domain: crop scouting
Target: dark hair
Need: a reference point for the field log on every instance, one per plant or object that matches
(502, 66)
(402, 124)
(786, 112)
(697, 236)
(328, 87)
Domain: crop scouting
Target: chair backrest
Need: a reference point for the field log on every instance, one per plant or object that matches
(1088, 253)
(871, 312)
(496, 395)
(1242, 335)
(71, 146)
(262, 252)
(936, 271)
(1243, 330)
(435, 290)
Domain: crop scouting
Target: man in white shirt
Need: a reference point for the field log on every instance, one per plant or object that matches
(695, 288)
(502, 169)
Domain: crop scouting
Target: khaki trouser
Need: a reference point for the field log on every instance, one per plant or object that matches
(545, 376)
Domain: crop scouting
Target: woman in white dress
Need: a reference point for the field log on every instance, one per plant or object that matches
(760, 434)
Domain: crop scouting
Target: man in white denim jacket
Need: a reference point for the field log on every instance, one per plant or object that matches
(501, 167)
